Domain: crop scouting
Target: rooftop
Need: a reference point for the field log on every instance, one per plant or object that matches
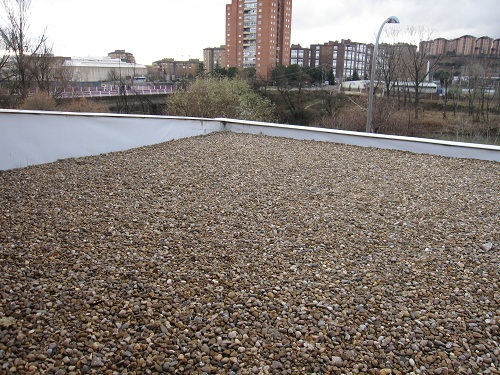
(250, 254)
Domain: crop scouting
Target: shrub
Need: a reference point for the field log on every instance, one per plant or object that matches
(210, 98)
(40, 101)
(83, 105)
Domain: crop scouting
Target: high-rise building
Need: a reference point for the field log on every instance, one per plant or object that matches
(258, 34)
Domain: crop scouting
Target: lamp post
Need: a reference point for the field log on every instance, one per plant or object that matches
(391, 19)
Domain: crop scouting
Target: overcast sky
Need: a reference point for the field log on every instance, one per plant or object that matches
(181, 29)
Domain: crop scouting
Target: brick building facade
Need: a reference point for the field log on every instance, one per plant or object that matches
(258, 34)
(214, 58)
(343, 58)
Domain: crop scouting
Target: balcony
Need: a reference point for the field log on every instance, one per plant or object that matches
(250, 6)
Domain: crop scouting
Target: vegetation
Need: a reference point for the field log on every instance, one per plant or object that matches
(45, 102)
(298, 97)
(295, 75)
(28, 62)
(292, 83)
(212, 98)
(83, 105)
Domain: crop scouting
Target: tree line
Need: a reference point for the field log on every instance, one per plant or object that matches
(27, 61)
(30, 76)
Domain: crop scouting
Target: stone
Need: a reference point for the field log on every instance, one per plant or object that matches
(96, 362)
(337, 361)
(249, 254)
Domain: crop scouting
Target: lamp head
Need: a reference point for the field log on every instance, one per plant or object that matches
(392, 19)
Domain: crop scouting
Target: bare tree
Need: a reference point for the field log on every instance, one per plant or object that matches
(417, 62)
(5, 98)
(388, 63)
(4, 56)
(290, 82)
(42, 67)
(63, 77)
(21, 47)
(389, 57)
(446, 79)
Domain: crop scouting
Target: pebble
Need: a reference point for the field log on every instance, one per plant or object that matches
(337, 361)
(233, 253)
(97, 362)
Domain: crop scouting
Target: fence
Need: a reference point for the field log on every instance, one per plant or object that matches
(109, 90)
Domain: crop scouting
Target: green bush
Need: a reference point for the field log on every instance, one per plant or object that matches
(211, 98)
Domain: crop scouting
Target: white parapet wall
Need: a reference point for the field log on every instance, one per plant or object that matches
(37, 137)
(411, 144)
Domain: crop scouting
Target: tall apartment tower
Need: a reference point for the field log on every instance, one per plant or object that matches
(258, 34)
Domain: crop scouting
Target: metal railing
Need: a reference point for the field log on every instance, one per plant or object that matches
(92, 92)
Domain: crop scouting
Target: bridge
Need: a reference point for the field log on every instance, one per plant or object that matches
(144, 99)
(114, 90)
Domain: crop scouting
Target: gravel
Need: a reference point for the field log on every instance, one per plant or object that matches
(246, 254)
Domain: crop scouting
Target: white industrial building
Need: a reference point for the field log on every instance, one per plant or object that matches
(92, 70)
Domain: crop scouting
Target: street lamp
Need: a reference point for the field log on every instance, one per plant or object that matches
(391, 19)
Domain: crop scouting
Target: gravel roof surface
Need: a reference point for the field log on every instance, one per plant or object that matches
(232, 253)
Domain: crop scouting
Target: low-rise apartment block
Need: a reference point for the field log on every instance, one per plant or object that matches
(122, 55)
(345, 58)
(299, 55)
(172, 70)
(214, 58)
(466, 45)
